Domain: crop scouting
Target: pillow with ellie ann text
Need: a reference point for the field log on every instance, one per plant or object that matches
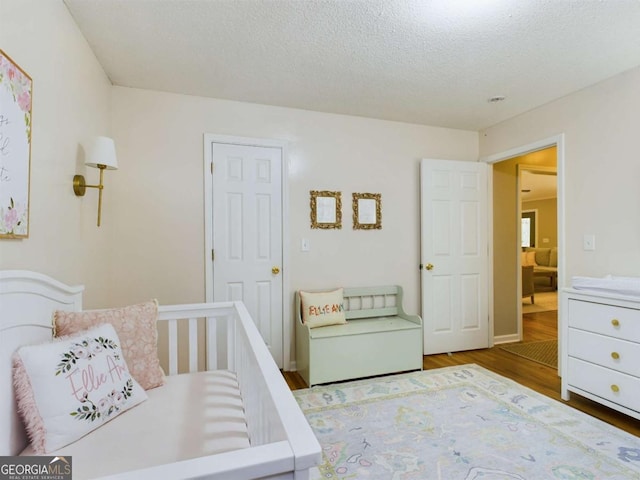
(320, 309)
(71, 386)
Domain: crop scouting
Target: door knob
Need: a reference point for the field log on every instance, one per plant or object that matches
(428, 266)
(275, 270)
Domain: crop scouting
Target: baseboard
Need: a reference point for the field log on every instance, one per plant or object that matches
(506, 339)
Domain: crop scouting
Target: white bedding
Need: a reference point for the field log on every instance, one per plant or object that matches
(608, 284)
(191, 416)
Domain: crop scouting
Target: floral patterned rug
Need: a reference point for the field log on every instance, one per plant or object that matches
(462, 423)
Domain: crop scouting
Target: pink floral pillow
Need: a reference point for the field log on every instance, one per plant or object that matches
(71, 386)
(137, 329)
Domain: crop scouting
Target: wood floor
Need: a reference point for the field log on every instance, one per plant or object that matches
(543, 379)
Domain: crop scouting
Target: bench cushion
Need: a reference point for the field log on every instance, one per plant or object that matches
(364, 326)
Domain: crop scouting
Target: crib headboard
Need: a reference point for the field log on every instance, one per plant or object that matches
(27, 300)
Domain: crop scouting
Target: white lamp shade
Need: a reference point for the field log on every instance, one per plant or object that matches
(102, 152)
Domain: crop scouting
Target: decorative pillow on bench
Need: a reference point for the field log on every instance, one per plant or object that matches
(320, 309)
(136, 325)
(71, 386)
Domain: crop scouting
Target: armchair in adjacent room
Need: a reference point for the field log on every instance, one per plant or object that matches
(527, 282)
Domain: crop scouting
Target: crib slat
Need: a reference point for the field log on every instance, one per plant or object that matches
(173, 346)
(193, 345)
(230, 326)
(212, 342)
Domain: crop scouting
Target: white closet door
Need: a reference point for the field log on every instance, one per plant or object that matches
(247, 235)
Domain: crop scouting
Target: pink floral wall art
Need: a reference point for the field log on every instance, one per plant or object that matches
(15, 148)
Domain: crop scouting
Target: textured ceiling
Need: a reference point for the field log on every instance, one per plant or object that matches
(433, 62)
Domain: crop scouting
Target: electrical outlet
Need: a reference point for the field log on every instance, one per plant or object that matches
(304, 245)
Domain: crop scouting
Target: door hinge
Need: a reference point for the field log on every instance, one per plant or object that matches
(213, 255)
(211, 168)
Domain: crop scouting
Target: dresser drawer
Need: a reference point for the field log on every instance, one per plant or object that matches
(611, 320)
(613, 386)
(606, 351)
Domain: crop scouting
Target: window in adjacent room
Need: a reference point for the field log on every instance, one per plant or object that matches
(528, 226)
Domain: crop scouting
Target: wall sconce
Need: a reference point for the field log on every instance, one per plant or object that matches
(102, 155)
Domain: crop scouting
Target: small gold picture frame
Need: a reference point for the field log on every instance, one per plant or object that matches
(367, 211)
(326, 209)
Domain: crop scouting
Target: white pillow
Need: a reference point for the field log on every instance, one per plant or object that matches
(71, 386)
(320, 309)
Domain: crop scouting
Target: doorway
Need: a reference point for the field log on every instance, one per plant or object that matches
(505, 243)
(537, 197)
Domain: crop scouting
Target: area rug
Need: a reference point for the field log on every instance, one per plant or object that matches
(544, 302)
(460, 423)
(544, 352)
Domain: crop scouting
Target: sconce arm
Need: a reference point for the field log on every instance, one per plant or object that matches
(80, 188)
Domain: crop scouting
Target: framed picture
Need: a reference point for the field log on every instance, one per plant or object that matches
(326, 209)
(15, 148)
(367, 211)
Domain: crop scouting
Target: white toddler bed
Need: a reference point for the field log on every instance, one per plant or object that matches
(172, 434)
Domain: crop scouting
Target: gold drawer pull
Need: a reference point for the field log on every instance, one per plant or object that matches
(615, 355)
(615, 388)
(615, 322)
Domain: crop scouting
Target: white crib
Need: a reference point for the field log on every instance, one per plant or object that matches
(282, 443)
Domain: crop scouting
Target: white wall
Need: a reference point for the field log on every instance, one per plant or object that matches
(71, 97)
(152, 217)
(151, 243)
(602, 170)
(159, 247)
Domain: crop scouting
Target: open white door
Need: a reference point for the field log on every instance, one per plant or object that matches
(454, 255)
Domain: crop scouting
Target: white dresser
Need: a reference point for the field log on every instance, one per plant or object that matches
(600, 348)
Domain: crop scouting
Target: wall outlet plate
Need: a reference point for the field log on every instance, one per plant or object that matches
(589, 242)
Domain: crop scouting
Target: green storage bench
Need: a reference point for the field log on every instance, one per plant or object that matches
(378, 338)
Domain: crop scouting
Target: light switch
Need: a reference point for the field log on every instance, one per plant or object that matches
(545, 240)
(589, 242)
(304, 245)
